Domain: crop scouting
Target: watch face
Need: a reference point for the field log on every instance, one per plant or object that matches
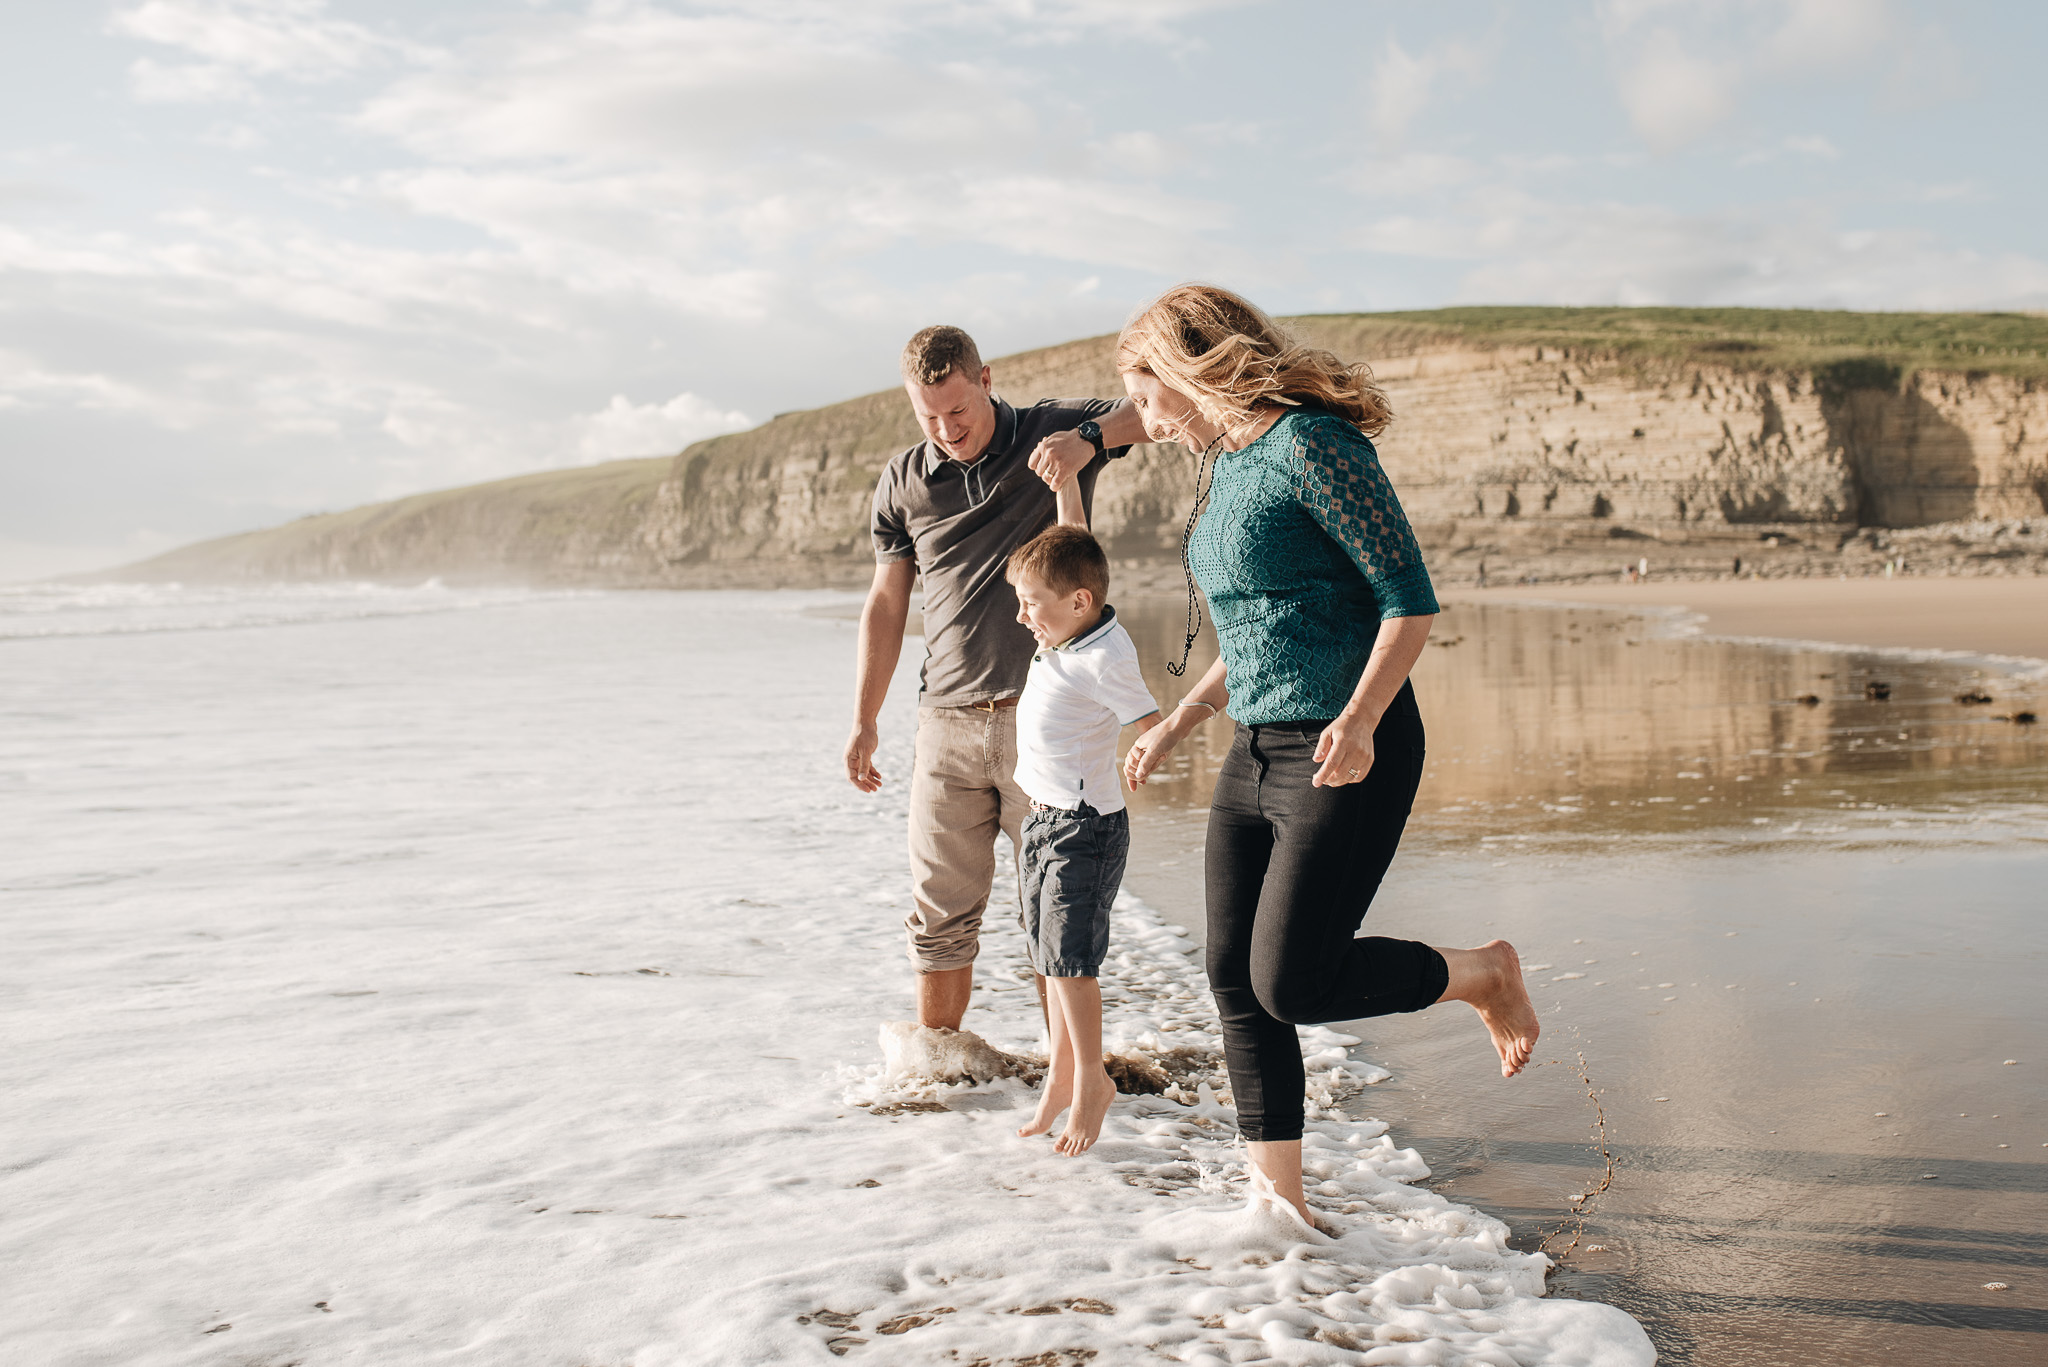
(1090, 430)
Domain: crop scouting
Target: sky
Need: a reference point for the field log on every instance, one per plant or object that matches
(263, 258)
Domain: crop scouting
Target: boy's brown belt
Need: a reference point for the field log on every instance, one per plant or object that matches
(993, 704)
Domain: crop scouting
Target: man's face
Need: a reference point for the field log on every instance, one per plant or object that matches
(1053, 617)
(956, 414)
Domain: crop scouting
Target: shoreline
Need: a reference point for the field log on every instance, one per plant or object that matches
(1999, 618)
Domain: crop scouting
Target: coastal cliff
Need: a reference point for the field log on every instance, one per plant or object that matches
(1545, 443)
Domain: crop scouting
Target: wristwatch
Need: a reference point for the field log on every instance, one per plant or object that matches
(1090, 431)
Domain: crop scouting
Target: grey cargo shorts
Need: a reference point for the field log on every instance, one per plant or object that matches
(1073, 865)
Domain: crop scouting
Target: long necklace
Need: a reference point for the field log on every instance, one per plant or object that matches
(1187, 565)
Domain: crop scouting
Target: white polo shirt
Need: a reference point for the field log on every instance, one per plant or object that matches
(1076, 698)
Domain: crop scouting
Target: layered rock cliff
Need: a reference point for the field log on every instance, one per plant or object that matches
(1522, 453)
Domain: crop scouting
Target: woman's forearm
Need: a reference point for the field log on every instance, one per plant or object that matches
(1394, 653)
(1187, 714)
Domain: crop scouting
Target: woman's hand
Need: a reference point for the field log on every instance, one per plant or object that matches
(1344, 751)
(1059, 458)
(1148, 751)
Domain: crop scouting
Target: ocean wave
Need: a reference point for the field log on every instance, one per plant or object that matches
(45, 610)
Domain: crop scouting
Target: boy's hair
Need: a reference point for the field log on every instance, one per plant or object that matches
(937, 352)
(1063, 557)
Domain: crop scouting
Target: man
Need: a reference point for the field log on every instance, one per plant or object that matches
(952, 508)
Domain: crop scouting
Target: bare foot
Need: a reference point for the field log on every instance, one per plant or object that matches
(1051, 1101)
(1503, 1003)
(1091, 1103)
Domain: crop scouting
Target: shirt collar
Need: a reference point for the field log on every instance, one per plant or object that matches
(999, 441)
(1094, 633)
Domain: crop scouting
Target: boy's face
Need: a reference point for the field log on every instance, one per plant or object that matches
(1052, 617)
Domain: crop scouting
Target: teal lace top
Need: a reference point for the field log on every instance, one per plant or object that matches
(1302, 552)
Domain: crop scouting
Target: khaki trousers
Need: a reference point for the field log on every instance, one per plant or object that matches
(963, 791)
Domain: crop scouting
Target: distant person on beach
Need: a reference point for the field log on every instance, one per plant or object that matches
(1322, 606)
(951, 509)
(1083, 689)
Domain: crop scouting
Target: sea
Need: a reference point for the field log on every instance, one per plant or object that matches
(430, 974)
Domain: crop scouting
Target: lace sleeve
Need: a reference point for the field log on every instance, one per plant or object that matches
(1339, 481)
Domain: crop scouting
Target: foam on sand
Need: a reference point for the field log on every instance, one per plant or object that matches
(501, 985)
(914, 1053)
(1161, 1242)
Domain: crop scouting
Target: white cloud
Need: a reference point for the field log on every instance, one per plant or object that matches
(622, 429)
(1814, 145)
(26, 383)
(1526, 249)
(233, 40)
(659, 151)
(1402, 83)
(1400, 86)
(1682, 69)
(1673, 95)
(1808, 145)
(263, 37)
(1828, 33)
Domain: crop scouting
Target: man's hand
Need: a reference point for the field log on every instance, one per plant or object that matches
(1060, 457)
(860, 758)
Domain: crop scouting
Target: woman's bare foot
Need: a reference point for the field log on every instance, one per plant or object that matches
(1054, 1099)
(1091, 1103)
(1276, 1170)
(1490, 979)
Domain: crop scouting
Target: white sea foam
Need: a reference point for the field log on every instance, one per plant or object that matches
(56, 608)
(500, 987)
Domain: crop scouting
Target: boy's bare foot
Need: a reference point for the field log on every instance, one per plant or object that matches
(1503, 1003)
(1051, 1101)
(1091, 1104)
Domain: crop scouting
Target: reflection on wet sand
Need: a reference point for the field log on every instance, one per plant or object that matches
(1794, 931)
(1554, 721)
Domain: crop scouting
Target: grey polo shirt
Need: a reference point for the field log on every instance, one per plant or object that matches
(960, 523)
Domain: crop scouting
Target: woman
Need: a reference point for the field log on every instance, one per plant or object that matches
(1322, 606)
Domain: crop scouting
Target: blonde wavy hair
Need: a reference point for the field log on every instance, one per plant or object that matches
(1231, 360)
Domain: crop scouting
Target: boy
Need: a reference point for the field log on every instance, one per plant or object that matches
(1083, 687)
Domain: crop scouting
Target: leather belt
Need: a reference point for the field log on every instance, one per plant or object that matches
(993, 704)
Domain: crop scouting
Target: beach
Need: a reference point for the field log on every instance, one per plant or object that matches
(1975, 616)
(1784, 931)
(432, 975)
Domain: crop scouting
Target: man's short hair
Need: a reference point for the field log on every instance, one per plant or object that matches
(1063, 557)
(937, 352)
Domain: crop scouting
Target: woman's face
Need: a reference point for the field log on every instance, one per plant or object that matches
(1168, 414)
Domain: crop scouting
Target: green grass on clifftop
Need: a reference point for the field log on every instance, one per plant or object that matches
(1746, 338)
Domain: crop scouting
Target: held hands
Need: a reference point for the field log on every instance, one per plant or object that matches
(1344, 751)
(860, 758)
(1060, 457)
(1149, 750)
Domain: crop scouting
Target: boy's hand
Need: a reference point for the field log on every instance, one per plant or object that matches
(860, 758)
(1147, 752)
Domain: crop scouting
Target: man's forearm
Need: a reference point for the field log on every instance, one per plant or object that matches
(881, 646)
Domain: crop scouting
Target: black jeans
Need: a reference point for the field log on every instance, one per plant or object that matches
(1291, 870)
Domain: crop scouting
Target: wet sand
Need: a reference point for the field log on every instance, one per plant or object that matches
(1793, 930)
(1978, 616)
